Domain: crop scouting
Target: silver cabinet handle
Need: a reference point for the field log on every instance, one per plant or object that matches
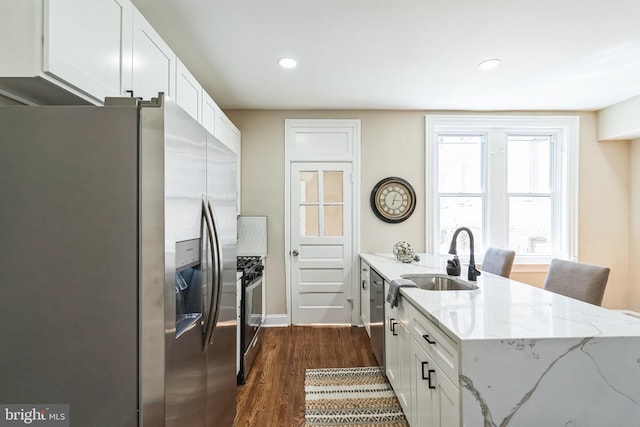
(295, 252)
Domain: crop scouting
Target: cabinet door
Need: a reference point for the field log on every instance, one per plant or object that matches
(404, 368)
(236, 143)
(209, 113)
(223, 127)
(435, 399)
(188, 91)
(391, 346)
(154, 63)
(88, 44)
(447, 400)
(365, 295)
(422, 390)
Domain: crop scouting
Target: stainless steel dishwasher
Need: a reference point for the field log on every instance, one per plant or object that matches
(376, 304)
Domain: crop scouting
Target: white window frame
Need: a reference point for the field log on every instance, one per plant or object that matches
(566, 132)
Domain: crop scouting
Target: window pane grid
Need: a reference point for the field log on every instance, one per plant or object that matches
(321, 203)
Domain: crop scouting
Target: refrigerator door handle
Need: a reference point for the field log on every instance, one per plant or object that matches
(213, 298)
(218, 271)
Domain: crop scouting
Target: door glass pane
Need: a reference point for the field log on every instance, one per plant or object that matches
(308, 187)
(529, 163)
(332, 186)
(530, 225)
(460, 212)
(309, 224)
(460, 163)
(333, 220)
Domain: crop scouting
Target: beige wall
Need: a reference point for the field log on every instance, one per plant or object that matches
(634, 226)
(393, 144)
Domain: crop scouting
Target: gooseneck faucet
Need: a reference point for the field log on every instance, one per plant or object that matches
(453, 265)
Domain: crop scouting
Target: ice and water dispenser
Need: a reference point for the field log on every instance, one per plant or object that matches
(188, 285)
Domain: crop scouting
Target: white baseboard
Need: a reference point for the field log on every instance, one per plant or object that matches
(276, 321)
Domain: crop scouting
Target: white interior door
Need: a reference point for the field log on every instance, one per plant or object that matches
(321, 237)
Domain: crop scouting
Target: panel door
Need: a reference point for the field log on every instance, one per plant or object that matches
(425, 410)
(154, 63)
(321, 254)
(188, 91)
(391, 355)
(448, 400)
(88, 44)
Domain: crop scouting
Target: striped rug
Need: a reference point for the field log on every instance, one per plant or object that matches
(351, 397)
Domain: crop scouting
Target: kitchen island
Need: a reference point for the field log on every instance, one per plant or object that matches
(515, 355)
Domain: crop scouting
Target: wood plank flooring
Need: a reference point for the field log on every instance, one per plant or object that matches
(274, 393)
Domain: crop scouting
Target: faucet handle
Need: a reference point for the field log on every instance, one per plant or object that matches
(473, 273)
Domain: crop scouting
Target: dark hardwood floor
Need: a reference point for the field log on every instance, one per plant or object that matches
(274, 393)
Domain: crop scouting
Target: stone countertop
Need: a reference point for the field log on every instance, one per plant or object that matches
(502, 309)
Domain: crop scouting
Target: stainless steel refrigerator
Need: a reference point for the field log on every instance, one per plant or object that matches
(117, 264)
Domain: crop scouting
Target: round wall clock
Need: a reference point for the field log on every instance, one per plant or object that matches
(393, 199)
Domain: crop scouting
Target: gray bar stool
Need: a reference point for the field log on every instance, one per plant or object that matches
(584, 282)
(498, 261)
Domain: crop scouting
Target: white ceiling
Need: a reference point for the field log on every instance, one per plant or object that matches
(407, 54)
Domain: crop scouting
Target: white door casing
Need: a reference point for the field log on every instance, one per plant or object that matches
(322, 279)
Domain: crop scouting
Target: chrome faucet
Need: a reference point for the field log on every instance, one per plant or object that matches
(453, 265)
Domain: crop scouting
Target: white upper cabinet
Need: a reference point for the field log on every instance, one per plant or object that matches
(188, 91)
(235, 140)
(65, 51)
(209, 112)
(154, 63)
(88, 44)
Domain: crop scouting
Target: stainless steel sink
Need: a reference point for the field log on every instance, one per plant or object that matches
(440, 282)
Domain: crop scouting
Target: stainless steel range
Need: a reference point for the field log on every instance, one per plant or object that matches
(250, 312)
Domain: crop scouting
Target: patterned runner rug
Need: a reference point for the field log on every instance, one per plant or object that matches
(351, 397)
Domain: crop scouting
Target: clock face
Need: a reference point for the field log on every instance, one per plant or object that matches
(393, 199)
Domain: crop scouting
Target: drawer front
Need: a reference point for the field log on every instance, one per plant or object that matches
(442, 349)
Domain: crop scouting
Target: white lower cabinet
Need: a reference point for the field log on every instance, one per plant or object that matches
(397, 354)
(435, 398)
(422, 367)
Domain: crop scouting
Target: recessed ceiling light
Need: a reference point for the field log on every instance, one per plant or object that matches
(489, 64)
(287, 62)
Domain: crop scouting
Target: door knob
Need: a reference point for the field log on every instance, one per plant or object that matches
(295, 252)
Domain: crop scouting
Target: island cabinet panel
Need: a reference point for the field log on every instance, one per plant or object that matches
(398, 353)
(435, 398)
(433, 378)
(442, 349)
(393, 350)
(508, 354)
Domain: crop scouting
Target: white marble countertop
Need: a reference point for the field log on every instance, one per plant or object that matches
(502, 308)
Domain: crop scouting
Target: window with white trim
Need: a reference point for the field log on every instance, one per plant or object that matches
(511, 179)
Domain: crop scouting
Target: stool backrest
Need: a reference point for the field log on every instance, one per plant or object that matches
(498, 261)
(584, 282)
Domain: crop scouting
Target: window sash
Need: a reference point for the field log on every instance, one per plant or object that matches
(563, 132)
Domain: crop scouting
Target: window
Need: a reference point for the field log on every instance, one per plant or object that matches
(511, 179)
